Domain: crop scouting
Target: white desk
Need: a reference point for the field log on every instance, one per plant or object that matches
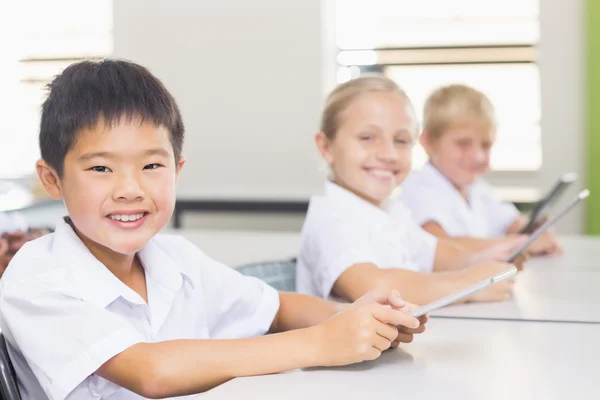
(453, 360)
(582, 253)
(545, 296)
(562, 288)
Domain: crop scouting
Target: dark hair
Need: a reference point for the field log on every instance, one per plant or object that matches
(108, 90)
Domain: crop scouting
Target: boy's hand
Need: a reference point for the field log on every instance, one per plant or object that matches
(406, 335)
(502, 251)
(500, 291)
(546, 244)
(393, 299)
(361, 331)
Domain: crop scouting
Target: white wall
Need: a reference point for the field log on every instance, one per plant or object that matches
(250, 77)
(247, 76)
(563, 98)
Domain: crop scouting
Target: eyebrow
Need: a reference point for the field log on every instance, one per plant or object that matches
(106, 154)
(404, 130)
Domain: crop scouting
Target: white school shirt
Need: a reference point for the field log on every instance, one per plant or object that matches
(12, 222)
(341, 230)
(64, 314)
(430, 196)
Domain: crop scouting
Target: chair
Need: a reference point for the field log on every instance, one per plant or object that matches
(9, 390)
(279, 274)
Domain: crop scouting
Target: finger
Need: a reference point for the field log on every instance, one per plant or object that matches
(395, 300)
(405, 337)
(394, 344)
(372, 354)
(409, 307)
(373, 296)
(381, 343)
(394, 317)
(382, 296)
(410, 331)
(389, 332)
(519, 241)
(3, 246)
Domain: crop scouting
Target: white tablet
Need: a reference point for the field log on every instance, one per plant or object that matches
(542, 208)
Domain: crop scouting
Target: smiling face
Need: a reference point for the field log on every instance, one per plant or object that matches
(459, 128)
(118, 185)
(371, 151)
(462, 155)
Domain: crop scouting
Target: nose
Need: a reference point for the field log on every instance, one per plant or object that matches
(479, 155)
(386, 150)
(128, 187)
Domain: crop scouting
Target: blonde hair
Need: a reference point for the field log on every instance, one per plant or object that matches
(346, 93)
(457, 106)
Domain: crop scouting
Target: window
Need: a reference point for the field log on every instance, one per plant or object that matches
(422, 45)
(44, 38)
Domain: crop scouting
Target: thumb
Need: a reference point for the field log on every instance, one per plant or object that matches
(395, 300)
(3, 246)
(381, 296)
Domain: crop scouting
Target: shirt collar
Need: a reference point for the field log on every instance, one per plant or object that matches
(432, 171)
(350, 202)
(97, 284)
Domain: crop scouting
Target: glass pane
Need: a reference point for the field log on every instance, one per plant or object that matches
(367, 24)
(42, 70)
(64, 28)
(42, 29)
(517, 104)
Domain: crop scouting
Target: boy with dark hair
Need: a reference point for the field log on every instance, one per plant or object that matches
(105, 307)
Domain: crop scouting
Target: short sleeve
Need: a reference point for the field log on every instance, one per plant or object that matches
(237, 306)
(420, 244)
(334, 247)
(63, 338)
(427, 205)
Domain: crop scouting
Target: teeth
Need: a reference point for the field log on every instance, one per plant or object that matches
(383, 173)
(127, 218)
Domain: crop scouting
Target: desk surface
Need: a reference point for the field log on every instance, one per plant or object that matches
(453, 360)
(582, 253)
(541, 296)
(561, 288)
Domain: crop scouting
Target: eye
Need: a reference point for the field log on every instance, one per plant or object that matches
(401, 141)
(463, 143)
(152, 166)
(100, 168)
(365, 137)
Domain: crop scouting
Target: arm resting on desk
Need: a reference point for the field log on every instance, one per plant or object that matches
(181, 367)
(422, 288)
(479, 249)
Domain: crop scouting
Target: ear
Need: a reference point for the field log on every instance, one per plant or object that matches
(179, 166)
(324, 146)
(426, 142)
(49, 179)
